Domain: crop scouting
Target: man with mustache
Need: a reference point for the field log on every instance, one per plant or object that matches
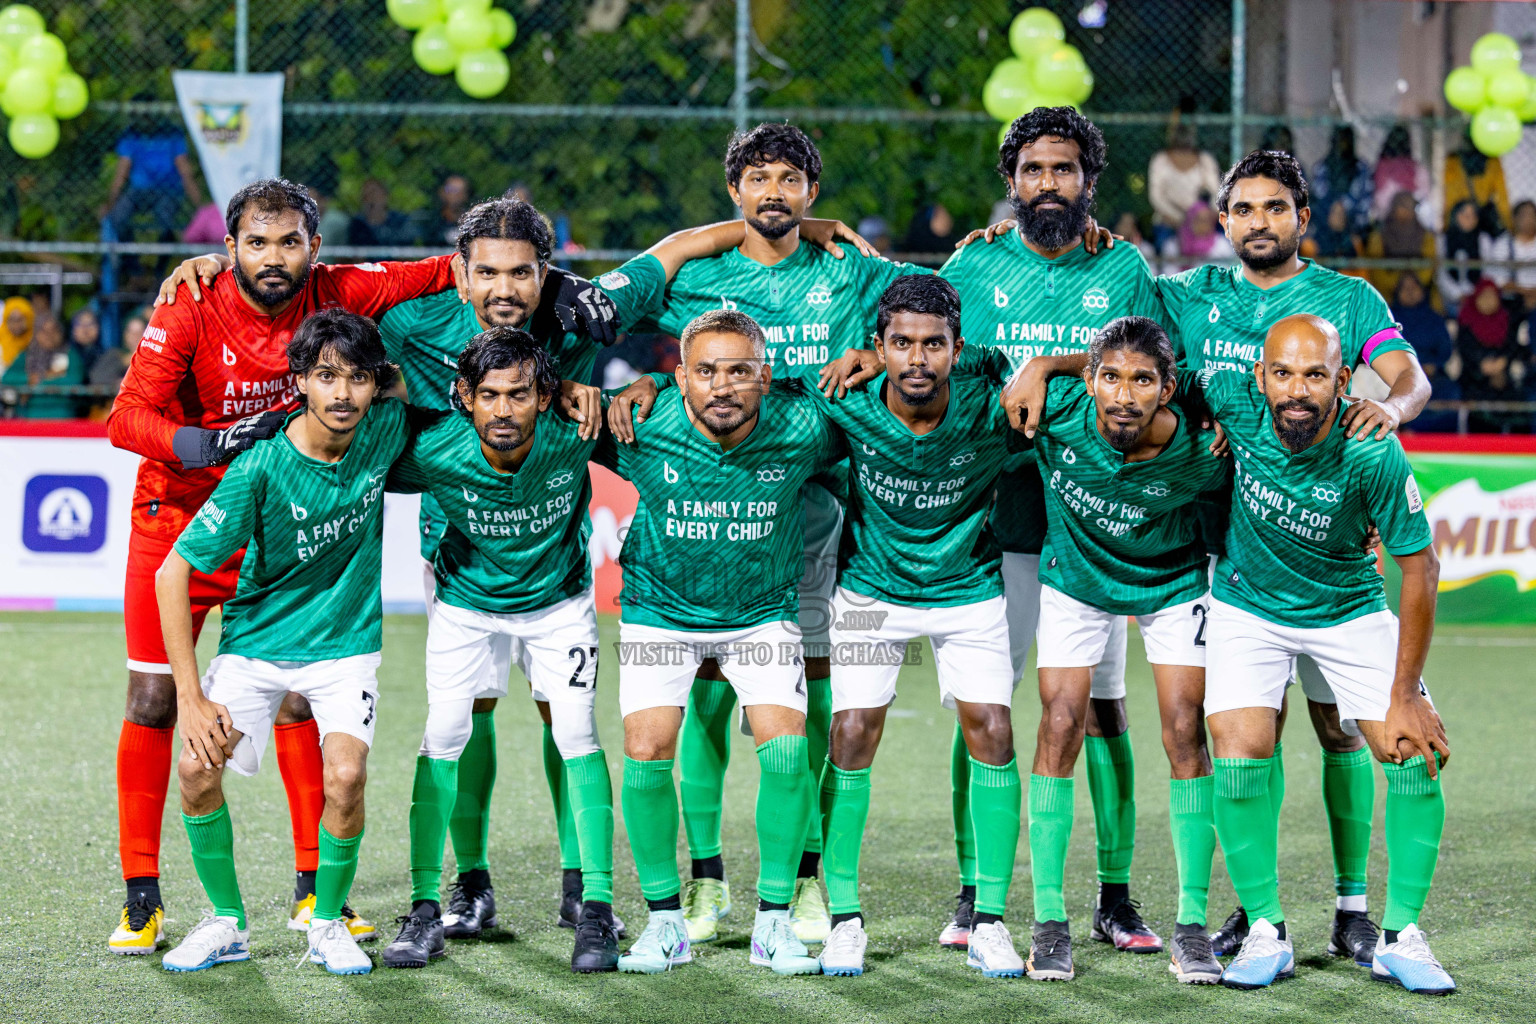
(1297, 578)
(514, 583)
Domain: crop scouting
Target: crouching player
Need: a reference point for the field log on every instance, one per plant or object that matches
(513, 584)
(306, 618)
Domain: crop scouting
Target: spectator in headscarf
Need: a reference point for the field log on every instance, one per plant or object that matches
(85, 334)
(1200, 239)
(932, 230)
(1397, 172)
(1464, 241)
(1400, 237)
(1471, 175)
(1179, 176)
(1329, 237)
(1486, 343)
(1343, 175)
(15, 329)
(49, 359)
(1518, 283)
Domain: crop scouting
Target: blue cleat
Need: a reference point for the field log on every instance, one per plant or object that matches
(1264, 958)
(1409, 963)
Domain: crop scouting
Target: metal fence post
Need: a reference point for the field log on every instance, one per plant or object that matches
(1239, 74)
(242, 36)
(743, 51)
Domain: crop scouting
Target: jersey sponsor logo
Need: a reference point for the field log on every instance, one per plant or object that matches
(154, 339)
(64, 514)
(469, 495)
(726, 303)
(1157, 489)
(1327, 492)
(1214, 314)
(229, 357)
(999, 297)
(773, 473)
(372, 268)
(820, 295)
(867, 449)
(667, 472)
(1096, 300)
(1411, 489)
(614, 280)
(299, 512)
(965, 457)
(559, 479)
(1068, 455)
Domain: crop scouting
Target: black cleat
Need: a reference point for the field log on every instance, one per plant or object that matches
(1231, 934)
(1192, 962)
(470, 912)
(420, 940)
(1354, 935)
(570, 898)
(957, 934)
(1050, 952)
(597, 943)
(1121, 926)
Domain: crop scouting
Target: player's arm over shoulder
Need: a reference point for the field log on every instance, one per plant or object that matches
(371, 288)
(427, 430)
(1220, 390)
(1393, 499)
(155, 374)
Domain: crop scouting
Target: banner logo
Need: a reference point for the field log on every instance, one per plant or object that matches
(221, 124)
(1478, 533)
(64, 514)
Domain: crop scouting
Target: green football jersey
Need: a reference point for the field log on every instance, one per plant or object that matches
(1122, 534)
(1296, 550)
(812, 306)
(513, 542)
(313, 535)
(716, 538)
(1219, 318)
(425, 337)
(1022, 305)
(916, 532)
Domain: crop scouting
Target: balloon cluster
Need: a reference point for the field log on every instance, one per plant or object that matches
(465, 37)
(1497, 94)
(1045, 70)
(37, 87)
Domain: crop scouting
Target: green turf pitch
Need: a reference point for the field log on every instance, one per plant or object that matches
(61, 691)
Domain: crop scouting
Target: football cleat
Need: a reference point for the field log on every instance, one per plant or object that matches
(663, 944)
(1354, 935)
(1050, 952)
(362, 929)
(957, 934)
(572, 906)
(775, 946)
(470, 912)
(991, 951)
(1193, 962)
(215, 940)
(706, 902)
(141, 929)
(1123, 927)
(808, 916)
(332, 946)
(842, 955)
(1409, 963)
(1231, 933)
(420, 939)
(597, 941)
(1263, 959)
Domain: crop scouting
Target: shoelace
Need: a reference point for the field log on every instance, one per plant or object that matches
(844, 939)
(596, 928)
(1416, 947)
(1196, 947)
(210, 919)
(327, 934)
(1126, 915)
(1359, 930)
(410, 928)
(459, 901)
(140, 911)
(1049, 940)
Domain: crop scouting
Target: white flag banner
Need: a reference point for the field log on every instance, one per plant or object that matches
(237, 123)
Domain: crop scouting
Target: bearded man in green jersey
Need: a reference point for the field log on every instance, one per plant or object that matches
(813, 302)
(710, 562)
(307, 505)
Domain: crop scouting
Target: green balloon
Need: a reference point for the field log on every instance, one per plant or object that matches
(1045, 99)
(1006, 92)
(1466, 90)
(1496, 130)
(483, 73)
(7, 65)
(449, 6)
(413, 14)
(34, 135)
(1035, 31)
(433, 52)
(1082, 85)
(1495, 52)
(28, 91)
(1508, 88)
(503, 28)
(18, 22)
(1059, 71)
(1528, 111)
(470, 30)
(44, 51)
(70, 96)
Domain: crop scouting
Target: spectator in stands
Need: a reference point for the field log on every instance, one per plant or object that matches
(1199, 239)
(1463, 241)
(153, 174)
(1277, 137)
(49, 359)
(1179, 176)
(85, 334)
(878, 233)
(1397, 172)
(1471, 175)
(334, 221)
(441, 225)
(376, 224)
(206, 227)
(1517, 283)
(15, 329)
(1400, 236)
(1491, 368)
(1425, 330)
(1330, 237)
(1342, 175)
(932, 230)
(110, 367)
(1128, 228)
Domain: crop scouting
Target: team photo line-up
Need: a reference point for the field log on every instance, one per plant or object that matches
(1024, 449)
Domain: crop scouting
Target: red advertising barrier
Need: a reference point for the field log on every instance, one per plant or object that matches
(613, 506)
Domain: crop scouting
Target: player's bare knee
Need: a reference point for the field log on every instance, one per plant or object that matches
(485, 705)
(344, 779)
(202, 789)
(1063, 718)
(295, 708)
(1330, 731)
(151, 700)
(989, 738)
(854, 739)
(818, 668)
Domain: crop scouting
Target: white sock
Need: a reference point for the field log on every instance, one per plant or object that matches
(1354, 903)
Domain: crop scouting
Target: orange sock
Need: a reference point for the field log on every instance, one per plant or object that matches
(143, 773)
(303, 771)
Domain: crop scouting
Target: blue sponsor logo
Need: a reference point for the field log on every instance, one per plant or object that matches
(64, 513)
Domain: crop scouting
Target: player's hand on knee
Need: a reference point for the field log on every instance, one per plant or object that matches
(195, 272)
(631, 406)
(849, 370)
(1414, 726)
(205, 729)
(582, 403)
(826, 234)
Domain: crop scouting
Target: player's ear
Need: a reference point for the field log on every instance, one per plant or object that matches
(812, 193)
(734, 191)
(230, 245)
(959, 344)
(1303, 218)
(314, 249)
(1344, 374)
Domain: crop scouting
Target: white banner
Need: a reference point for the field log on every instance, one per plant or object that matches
(237, 123)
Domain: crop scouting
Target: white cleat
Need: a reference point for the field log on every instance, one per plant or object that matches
(215, 940)
(842, 954)
(332, 946)
(991, 951)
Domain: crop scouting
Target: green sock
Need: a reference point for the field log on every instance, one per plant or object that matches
(703, 752)
(1415, 819)
(845, 806)
(1277, 783)
(560, 796)
(1349, 796)
(338, 866)
(650, 817)
(1112, 785)
(1244, 812)
(212, 837)
(432, 799)
(1194, 843)
(785, 794)
(960, 806)
(1050, 829)
(591, 799)
(995, 799)
(470, 823)
(818, 730)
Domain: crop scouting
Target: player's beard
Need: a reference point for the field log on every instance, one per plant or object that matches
(773, 230)
(1123, 439)
(1284, 249)
(514, 439)
(289, 286)
(722, 414)
(1052, 229)
(918, 398)
(332, 409)
(1298, 435)
(509, 314)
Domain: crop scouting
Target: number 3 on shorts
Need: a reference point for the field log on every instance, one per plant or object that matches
(584, 657)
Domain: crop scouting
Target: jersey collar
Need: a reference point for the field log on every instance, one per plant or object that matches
(1309, 270)
(876, 391)
(540, 428)
(794, 259)
(307, 460)
(1077, 254)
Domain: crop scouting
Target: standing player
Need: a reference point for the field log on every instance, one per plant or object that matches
(710, 564)
(1296, 578)
(918, 559)
(1220, 315)
(514, 583)
(306, 618)
(1123, 461)
(195, 394)
(812, 304)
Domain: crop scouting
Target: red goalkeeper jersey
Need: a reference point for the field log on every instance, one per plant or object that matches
(210, 363)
